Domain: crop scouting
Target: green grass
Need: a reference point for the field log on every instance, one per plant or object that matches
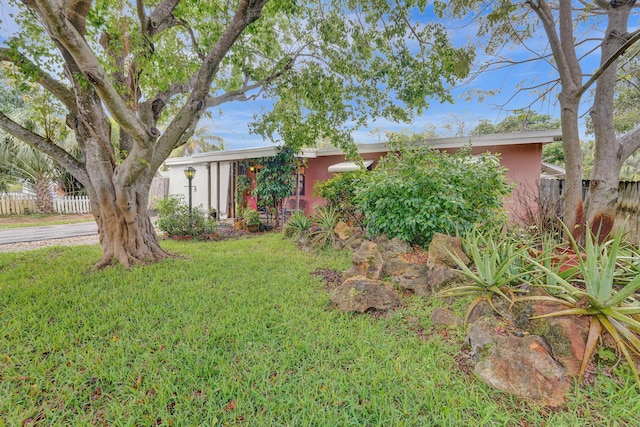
(239, 333)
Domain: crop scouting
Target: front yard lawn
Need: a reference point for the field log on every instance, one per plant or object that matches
(240, 333)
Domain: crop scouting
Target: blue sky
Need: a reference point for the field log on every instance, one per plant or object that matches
(231, 120)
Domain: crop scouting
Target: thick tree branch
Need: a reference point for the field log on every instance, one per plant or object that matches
(541, 8)
(76, 45)
(629, 143)
(632, 39)
(142, 17)
(56, 88)
(36, 141)
(161, 18)
(567, 47)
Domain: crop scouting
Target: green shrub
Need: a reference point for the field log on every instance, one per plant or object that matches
(173, 218)
(419, 191)
(339, 192)
(251, 217)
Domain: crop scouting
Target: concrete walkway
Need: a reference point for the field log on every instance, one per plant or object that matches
(48, 232)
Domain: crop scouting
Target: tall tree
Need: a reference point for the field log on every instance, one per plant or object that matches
(525, 120)
(569, 27)
(200, 142)
(327, 66)
(626, 108)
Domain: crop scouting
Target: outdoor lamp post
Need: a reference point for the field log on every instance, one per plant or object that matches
(190, 173)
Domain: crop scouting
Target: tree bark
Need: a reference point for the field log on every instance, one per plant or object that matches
(44, 202)
(573, 210)
(603, 190)
(127, 239)
(561, 41)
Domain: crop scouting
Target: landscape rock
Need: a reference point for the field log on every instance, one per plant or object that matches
(413, 280)
(354, 241)
(522, 366)
(381, 240)
(359, 294)
(439, 249)
(395, 266)
(394, 247)
(367, 261)
(439, 278)
(343, 230)
(446, 317)
(567, 335)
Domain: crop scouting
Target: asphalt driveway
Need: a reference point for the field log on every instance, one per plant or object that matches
(47, 232)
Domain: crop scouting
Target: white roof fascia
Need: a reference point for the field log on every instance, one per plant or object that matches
(516, 138)
(233, 155)
(544, 137)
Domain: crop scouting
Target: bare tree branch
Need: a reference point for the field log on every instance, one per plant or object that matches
(240, 94)
(142, 17)
(542, 9)
(194, 41)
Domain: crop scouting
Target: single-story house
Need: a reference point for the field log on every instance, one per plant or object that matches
(214, 181)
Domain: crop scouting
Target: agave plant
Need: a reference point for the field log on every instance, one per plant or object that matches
(297, 224)
(612, 309)
(498, 264)
(326, 219)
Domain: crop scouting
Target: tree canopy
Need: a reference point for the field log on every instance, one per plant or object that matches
(325, 67)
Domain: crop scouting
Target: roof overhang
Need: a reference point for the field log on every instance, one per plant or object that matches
(349, 166)
(552, 171)
(538, 137)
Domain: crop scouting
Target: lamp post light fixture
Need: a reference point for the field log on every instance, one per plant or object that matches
(190, 172)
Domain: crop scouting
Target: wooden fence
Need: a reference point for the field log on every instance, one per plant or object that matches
(17, 204)
(20, 204)
(552, 190)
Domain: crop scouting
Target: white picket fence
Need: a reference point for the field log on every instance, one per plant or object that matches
(72, 205)
(20, 204)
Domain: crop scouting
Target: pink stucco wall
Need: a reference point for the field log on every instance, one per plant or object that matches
(522, 161)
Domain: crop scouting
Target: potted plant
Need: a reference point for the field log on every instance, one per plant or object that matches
(252, 219)
(238, 221)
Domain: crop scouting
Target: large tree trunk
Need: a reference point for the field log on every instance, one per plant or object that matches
(125, 238)
(603, 191)
(573, 213)
(561, 41)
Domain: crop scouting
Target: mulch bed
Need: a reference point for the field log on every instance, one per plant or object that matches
(416, 256)
(332, 278)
